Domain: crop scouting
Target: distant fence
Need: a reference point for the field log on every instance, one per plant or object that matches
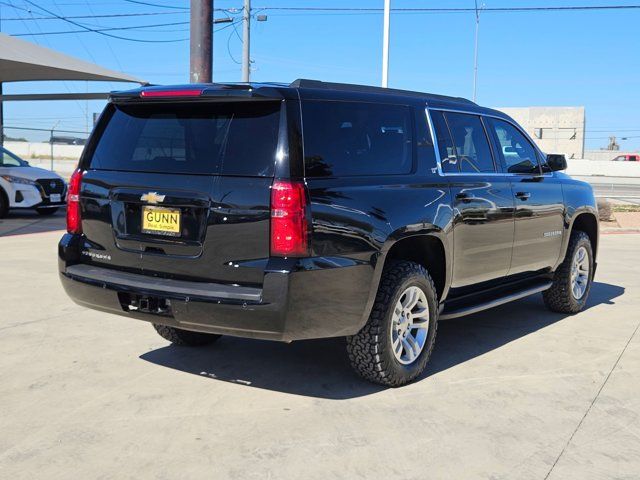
(603, 168)
(41, 150)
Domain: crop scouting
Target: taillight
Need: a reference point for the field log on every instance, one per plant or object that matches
(185, 92)
(288, 219)
(74, 222)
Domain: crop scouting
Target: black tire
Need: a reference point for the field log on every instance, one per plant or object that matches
(46, 211)
(560, 297)
(185, 338)
(370, 350)
(4, 204)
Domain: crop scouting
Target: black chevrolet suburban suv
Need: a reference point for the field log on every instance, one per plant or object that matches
(311, 210)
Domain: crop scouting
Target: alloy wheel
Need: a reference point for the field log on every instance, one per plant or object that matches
(410, 325)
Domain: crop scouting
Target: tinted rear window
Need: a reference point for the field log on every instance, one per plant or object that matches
(350, 138)
(195, 138)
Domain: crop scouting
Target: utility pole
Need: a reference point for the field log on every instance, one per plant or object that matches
(201, 41)
(385, 44)
(475, 55)
(246, 41)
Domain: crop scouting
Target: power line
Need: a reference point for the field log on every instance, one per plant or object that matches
(455, 9)
(156, 5)
(81, 17)
(106, 29)
(100, 29)
(84, 27)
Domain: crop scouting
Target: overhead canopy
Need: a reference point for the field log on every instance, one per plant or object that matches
(22, 61)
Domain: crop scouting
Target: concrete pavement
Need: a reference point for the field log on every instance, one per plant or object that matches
(21, 222)
(514, 392)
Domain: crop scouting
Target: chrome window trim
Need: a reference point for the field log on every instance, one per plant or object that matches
(434, 140)
(481, 115)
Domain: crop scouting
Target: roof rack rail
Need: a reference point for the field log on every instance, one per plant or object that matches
(319, 84)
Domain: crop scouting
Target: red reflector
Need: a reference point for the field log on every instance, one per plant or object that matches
(190, 92)
(288, 219)
(74, 221)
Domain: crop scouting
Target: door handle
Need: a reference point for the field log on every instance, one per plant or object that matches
(464, 196)
(523, 195)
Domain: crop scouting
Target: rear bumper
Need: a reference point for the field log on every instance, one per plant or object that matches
(299, 299)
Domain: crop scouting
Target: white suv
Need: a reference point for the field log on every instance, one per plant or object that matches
(23, 186)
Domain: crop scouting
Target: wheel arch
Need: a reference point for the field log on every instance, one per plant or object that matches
(587, 222)
(427, 250)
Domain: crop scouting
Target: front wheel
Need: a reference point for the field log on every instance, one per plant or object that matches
(572, 280)
(4, 204)
(186, 338)
(395, 344)
(46, 211)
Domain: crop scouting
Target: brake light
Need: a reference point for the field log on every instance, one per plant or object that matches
(187, 92)
(288, 219)
(74, 222)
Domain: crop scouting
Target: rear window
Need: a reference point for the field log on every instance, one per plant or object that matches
(194, 138)
(351, 138)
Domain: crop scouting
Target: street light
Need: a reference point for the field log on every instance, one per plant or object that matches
(385, 44)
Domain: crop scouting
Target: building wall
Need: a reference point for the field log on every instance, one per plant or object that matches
(555, 129)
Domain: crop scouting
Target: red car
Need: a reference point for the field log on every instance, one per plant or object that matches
(627, 158)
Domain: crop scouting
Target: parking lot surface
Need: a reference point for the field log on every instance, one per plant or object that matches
(516, 392)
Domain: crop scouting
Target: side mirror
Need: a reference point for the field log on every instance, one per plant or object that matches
(556, 162)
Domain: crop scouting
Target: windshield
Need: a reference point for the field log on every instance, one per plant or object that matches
(9, 159)
(203, 138)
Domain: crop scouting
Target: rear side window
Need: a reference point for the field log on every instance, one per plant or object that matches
(518, 153)
(351, 138)
(471, 145)
(196, 138)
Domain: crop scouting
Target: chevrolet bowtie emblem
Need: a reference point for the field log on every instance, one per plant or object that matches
(152, 197)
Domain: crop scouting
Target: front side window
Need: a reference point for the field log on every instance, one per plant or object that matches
(353, 138)
(518, 153)
(470, 141)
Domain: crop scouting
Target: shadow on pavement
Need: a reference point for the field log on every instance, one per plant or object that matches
(22, 222)
(320, 368)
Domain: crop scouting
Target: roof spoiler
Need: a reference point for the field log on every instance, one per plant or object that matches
(219, 91)
(320, 85)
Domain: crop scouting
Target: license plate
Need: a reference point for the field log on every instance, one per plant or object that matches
(161, 221)
(55, 198)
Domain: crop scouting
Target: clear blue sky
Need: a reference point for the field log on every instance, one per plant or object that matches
(589, 58)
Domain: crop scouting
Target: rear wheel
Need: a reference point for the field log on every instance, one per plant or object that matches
(46, 211)
(572, 280)
(187, 338)
(394, 346)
